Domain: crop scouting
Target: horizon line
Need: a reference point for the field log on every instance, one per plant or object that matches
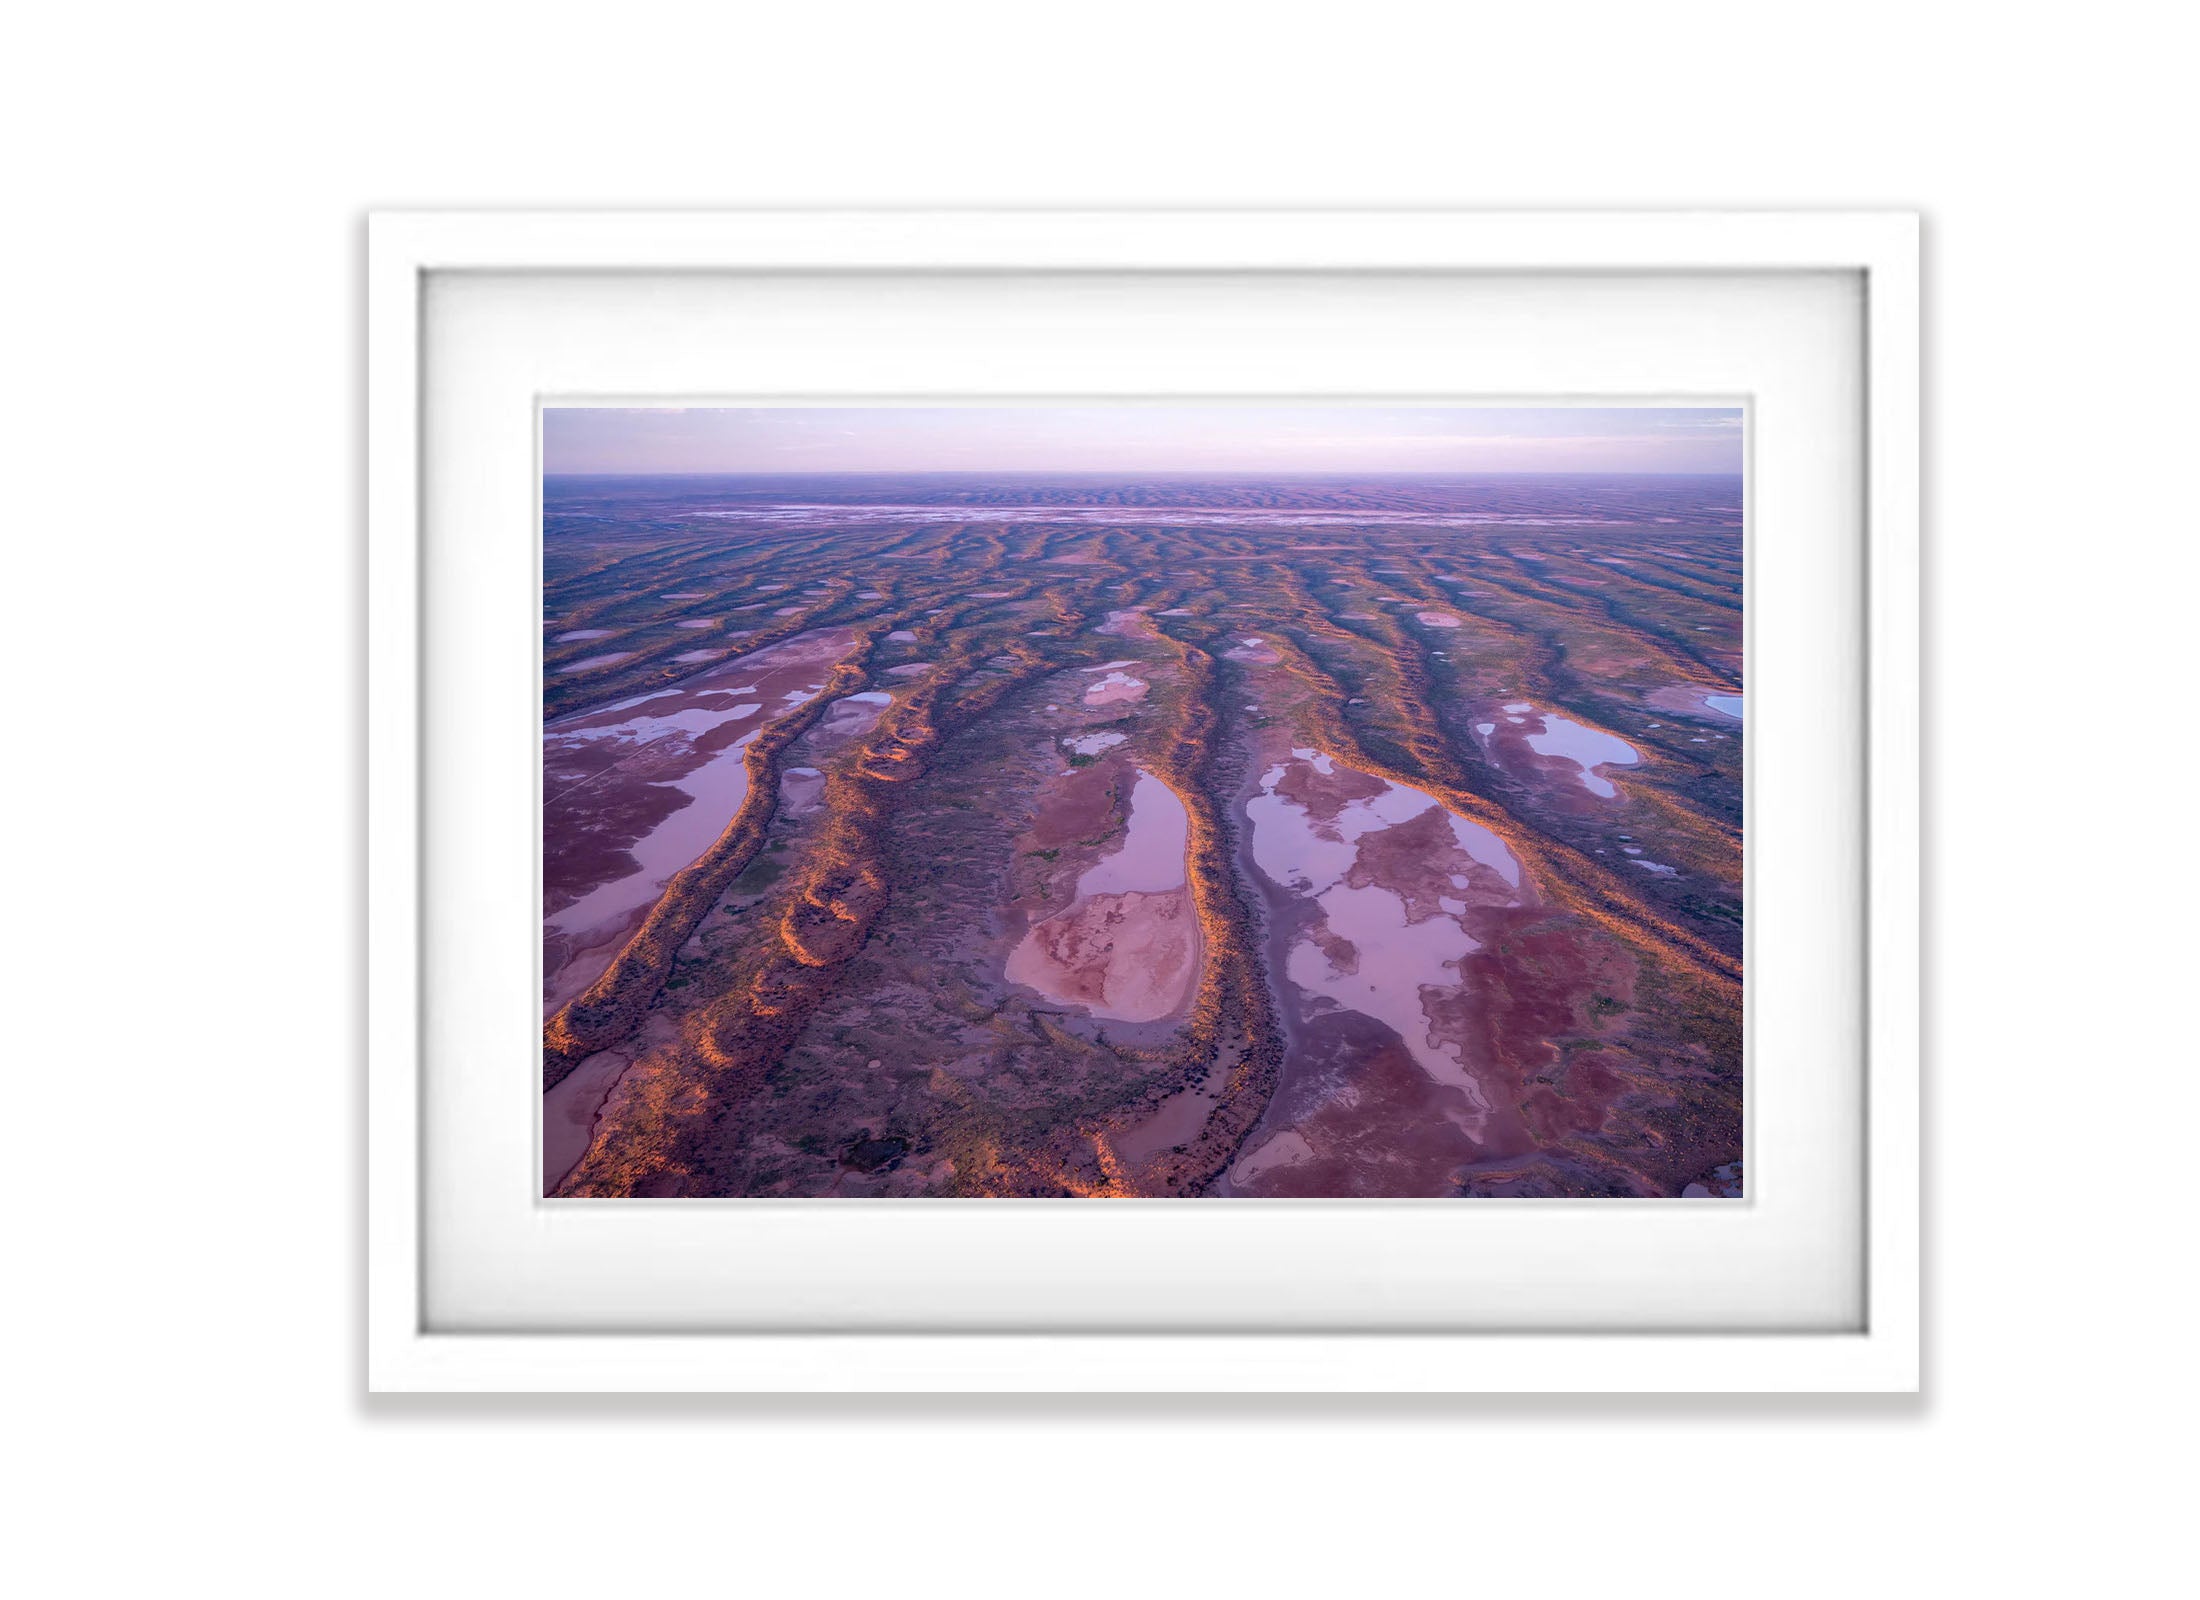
(1114, 472)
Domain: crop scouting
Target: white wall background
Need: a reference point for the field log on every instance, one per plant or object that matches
(182, 455)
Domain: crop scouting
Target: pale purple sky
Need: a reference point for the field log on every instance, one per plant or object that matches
(1140, 438)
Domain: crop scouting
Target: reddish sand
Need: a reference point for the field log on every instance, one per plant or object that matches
(634, 791)
(1711, 703)
(1463, 1087)
(1116, 688)
(1177, 1119)
(1385, 900)
(847, 720)
(1127, 624)
(1569, 761)
(1129, 946)
(569, 1113)
(1125, 956)
(800, 790)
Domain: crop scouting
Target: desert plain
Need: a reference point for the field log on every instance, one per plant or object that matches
(1021, 835)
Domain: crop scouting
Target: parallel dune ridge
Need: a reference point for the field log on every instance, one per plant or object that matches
(817, 1004)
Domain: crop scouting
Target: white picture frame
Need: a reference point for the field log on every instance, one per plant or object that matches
(406, 1351)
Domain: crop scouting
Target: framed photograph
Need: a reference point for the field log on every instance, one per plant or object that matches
(1143, 801)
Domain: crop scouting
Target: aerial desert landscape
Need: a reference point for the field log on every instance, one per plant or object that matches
(999, 829)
